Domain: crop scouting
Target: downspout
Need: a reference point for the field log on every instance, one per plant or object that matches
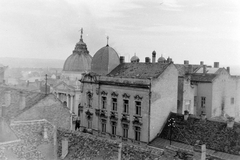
(149, 109)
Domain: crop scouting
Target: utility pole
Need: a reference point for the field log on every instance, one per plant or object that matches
(171, 124)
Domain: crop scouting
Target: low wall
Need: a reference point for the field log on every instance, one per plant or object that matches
(83, 145)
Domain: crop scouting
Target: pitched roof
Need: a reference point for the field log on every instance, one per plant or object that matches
(13, 109)
(199, 77)
(183, 68)
(138, 70)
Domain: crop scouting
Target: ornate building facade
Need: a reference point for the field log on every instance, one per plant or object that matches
(131, 102)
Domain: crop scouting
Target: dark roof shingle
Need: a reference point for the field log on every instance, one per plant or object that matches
(138, 70)
(199, 77)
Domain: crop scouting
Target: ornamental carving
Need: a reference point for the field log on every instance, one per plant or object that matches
(114, 94)
(89, 94)
(104, 93)
(125, 95)
(137, 97)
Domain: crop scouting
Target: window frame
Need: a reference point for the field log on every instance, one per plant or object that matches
(104, 102)
(114, 104)
(125, 106)
(138, 108)
(203, 102)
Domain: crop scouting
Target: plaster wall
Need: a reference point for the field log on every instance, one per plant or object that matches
(163, 99)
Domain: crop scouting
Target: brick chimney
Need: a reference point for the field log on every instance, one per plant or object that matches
(186, 62)
(216, 64)
(228, 70)
(204, 69)
(153, 56)
(22, 101)
(201, 63)
(147, 60)
(190, 69)
(122, 59)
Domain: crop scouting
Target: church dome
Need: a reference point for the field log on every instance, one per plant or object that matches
(79, 60)
(134, 59)
(105, 60)
(161, 59)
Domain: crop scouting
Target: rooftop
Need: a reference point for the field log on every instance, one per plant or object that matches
(200, 77)
(138, 70)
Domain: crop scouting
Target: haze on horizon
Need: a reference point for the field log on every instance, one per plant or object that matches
(194, 30)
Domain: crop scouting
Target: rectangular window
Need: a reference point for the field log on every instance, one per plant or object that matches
(114, 104)
(125, 106)
(104, 102)
(232, 100)
(89, 124)
(138, 108)
(195, 101)
(103, 127)
(137, 133)
(203, 102)
(125, 132)
(114, 128)
(89, 99)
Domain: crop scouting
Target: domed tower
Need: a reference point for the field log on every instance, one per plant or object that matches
(105, 60)
(161, 59)
(78, 62)
(134, 59)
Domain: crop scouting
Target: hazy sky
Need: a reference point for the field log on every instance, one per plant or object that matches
(194, 30)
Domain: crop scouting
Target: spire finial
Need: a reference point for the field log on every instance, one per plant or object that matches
(107, 40)
(81, 34)
(135, 54)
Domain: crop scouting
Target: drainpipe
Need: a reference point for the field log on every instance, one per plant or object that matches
(149, 111)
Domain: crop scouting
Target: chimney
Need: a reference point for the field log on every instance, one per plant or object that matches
(204, 69)
(216, 64)
(201, 62)
(186, 62)
(7, 97)
(22, 101)
(190, 69)
(147, 60)
(228, 69)
(122, 59)
(153, 56)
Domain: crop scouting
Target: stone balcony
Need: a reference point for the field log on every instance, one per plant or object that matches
(137, 121)
(114, 115)
(103, 113)
(125, 118)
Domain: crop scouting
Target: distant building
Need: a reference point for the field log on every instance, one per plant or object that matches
(2, 71)
(130, 101)
(212, 91)
(24, 105)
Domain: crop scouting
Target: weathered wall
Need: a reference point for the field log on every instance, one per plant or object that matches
(50, 109)
(204, 90)
(89, 146)
(164, 99)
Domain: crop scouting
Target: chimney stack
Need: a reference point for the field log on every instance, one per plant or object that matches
(190, 69)
(201, 63)
(228, 69)
(216, 64)
(122, 59)
(147, 60)
(153, 56)
(22, 101)
(7, 97)
(186, 62)
(204, 69)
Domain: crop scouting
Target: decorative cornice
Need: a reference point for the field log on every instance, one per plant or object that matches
(125, 95)
(114, 94)
(137, 97)
(104, 93)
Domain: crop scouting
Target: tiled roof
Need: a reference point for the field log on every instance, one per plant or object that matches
(138, 70)
(199, 77)
(183, 68)
(13, 109)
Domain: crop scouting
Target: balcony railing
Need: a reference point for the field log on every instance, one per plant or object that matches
(125, 118)
(103, 113)
(114, 115)
(137, 120)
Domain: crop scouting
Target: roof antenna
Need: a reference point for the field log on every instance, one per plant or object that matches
(107, 40)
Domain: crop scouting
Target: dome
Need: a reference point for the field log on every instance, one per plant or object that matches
(105, 60)
(135, 59)
(161, 59)
(79, 60)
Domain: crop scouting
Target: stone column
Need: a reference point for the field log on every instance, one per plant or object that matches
(71, 104)
(67, 101)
